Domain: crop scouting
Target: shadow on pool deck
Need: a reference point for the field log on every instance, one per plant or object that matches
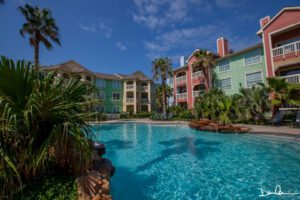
(197, 147)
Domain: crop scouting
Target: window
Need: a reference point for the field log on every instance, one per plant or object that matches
(116, 96)
(101, 94)
(100, 108)
(224, 66)
(100, 83)
(252, 57)
(225, 84)
(253, 78)
(116, 109)
(116, 84)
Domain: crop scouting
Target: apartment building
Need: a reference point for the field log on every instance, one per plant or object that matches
(243, 68)
(189, 82)
(138, 92)
(277, 55)
(118, 92)
(281, 43)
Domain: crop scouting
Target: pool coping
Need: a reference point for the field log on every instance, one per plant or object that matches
(255, 129)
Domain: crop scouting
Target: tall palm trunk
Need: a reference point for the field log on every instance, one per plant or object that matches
(36, 53)
(164, 96)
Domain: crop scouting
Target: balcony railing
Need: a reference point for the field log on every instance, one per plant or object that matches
(130, 100)
(181, 79)
(129, 87)
(181, 96)
(144, 101)
(197, 74)
(286, 49)
(197, 93)
(292, 78)
(144, 88)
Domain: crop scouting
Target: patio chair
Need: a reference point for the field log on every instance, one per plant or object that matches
(277, 119)
(297, 121)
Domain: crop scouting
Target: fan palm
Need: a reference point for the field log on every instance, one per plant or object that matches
(282, 93)
(162, 69)
(42, 123)
(159, 95)
(40, 26)
(205, 60)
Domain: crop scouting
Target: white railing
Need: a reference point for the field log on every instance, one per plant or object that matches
(144, 101)
(181, 79)
(197, 93)
(181, 96)
(144, 88)
(197, 74)
(130, 100)
(286, 49)
(292, 78)
(129, 87)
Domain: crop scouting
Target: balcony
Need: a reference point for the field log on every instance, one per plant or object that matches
(144, 101)
(292, 78)
(181, 80)
(130, 100)
(286, 51)
(129, 87)
(144, 88)
(197, 74)
(181, 97)
(197, 93)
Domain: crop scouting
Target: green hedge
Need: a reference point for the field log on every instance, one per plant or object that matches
(49, 188)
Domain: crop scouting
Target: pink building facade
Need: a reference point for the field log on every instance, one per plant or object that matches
(189, 83)
(281, 41)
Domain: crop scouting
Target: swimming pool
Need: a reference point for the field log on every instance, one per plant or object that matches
(175, 162)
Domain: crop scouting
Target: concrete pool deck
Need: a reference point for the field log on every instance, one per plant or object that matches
(255, 129)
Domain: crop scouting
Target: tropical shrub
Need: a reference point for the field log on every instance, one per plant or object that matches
(254, 103)
(42, 125)
(142, 115)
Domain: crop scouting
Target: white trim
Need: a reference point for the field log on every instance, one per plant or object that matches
(112, 96)
(260, 21)
(279, 13)
(226, 70)
(252, 63)
(264, 47)
(230, 84)
(261, 73)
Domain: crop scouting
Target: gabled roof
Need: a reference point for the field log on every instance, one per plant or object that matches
(137, 75)
(180, 68)
(275, 17)
(108, 76)
(196, 50)
(256, 46)
(69, 66)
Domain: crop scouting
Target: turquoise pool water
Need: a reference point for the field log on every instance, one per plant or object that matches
(175, 162)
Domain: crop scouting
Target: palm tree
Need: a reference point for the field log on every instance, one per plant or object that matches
(42, 124)
(282, 93)
(162, 69)
(40, 26)
(159, 95)
(205, 60)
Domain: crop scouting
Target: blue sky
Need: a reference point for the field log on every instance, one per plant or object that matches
(121, 36)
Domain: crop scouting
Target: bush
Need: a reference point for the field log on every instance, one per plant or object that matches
(142, 115)
(124, 115)
(56, 188)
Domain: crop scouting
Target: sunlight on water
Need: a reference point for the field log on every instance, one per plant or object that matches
(175, 162)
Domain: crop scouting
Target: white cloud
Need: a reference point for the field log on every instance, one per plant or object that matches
(121, 46)
(160, 13)
(100, 27)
